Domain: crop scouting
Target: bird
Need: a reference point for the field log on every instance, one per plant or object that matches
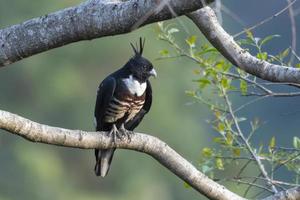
(123, 99)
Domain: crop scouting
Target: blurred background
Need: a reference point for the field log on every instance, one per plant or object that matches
(58, 88)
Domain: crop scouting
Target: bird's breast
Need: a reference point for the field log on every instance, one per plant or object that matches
(134, 86)
(124, 105)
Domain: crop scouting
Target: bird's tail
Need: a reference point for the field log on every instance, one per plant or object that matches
(103, 160)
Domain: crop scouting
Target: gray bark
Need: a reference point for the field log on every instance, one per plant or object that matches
(156, 148)
(207, 22)
(150, 145)
(98, 18)
(89, 20)
(290, 194)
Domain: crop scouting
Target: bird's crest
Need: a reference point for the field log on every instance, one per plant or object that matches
(138, 51)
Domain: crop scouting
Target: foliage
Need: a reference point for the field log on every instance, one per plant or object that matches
(218, 85)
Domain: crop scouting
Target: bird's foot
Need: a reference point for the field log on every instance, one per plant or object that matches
(114, 133)
(126, 132)
(119, 134)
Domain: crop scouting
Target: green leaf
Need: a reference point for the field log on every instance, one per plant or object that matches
(229, 138)
(236, 151)
(298, 65)
(285, 53)
(196, 71)
(221, 127)
(243, 87)
(190, 93)
(296, 142)
(245, 42)
(207, 152)
(272, 143)
(225, 82)
(219, 164)
(186, 185)
(227, 66)
(164, 52)
(220, 65)
(218, 114)
(218, 140)
(262, 55)
(208, 50)
(203, 82)
(191, 40)
(249, 35)
(267, 39)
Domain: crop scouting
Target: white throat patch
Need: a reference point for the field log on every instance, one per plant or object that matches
(134, 86)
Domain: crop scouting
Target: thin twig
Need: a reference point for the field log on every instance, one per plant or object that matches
(274, 181)
(248, 183)
(265, 20)
(295, 54)
(274, 94)
(282, 83)
(253, 154)
(275, 169)
(249, 102)
(233, 15)
(155, 10)
(286, 161)
(287, 149)
(243, 168)
(236, 158)
(264, 89)
(177, 18)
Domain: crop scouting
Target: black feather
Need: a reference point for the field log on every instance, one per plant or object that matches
(114, 94)
(140, 47)
(134, 49)
(104, 95)
(132, 124)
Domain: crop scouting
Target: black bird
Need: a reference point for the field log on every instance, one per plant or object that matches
(123, 98)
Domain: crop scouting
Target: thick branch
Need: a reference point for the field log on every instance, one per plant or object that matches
(89, 20)
(98, 18)
(290, 194)
(159, 150)
(207, 22)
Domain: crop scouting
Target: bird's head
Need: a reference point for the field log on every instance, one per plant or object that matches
(140, 67)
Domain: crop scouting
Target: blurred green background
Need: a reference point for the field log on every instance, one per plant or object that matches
(58, 88)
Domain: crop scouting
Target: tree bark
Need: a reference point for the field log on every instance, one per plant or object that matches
(89, 20)
(290, 194)
(150, 145)
(207, 22)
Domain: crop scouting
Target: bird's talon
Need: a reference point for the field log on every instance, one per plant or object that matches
(129, 135)
(120, 135)
(113, 133)
(126, 133)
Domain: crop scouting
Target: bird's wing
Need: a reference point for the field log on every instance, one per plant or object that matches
(135, 121)
(104, 94)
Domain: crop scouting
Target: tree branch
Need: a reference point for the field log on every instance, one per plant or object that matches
(290, 194)
(89, 20)
(98, 18)
(159, 150)
(207, 22)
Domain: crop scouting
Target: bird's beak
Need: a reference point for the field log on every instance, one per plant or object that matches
(153, 73)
